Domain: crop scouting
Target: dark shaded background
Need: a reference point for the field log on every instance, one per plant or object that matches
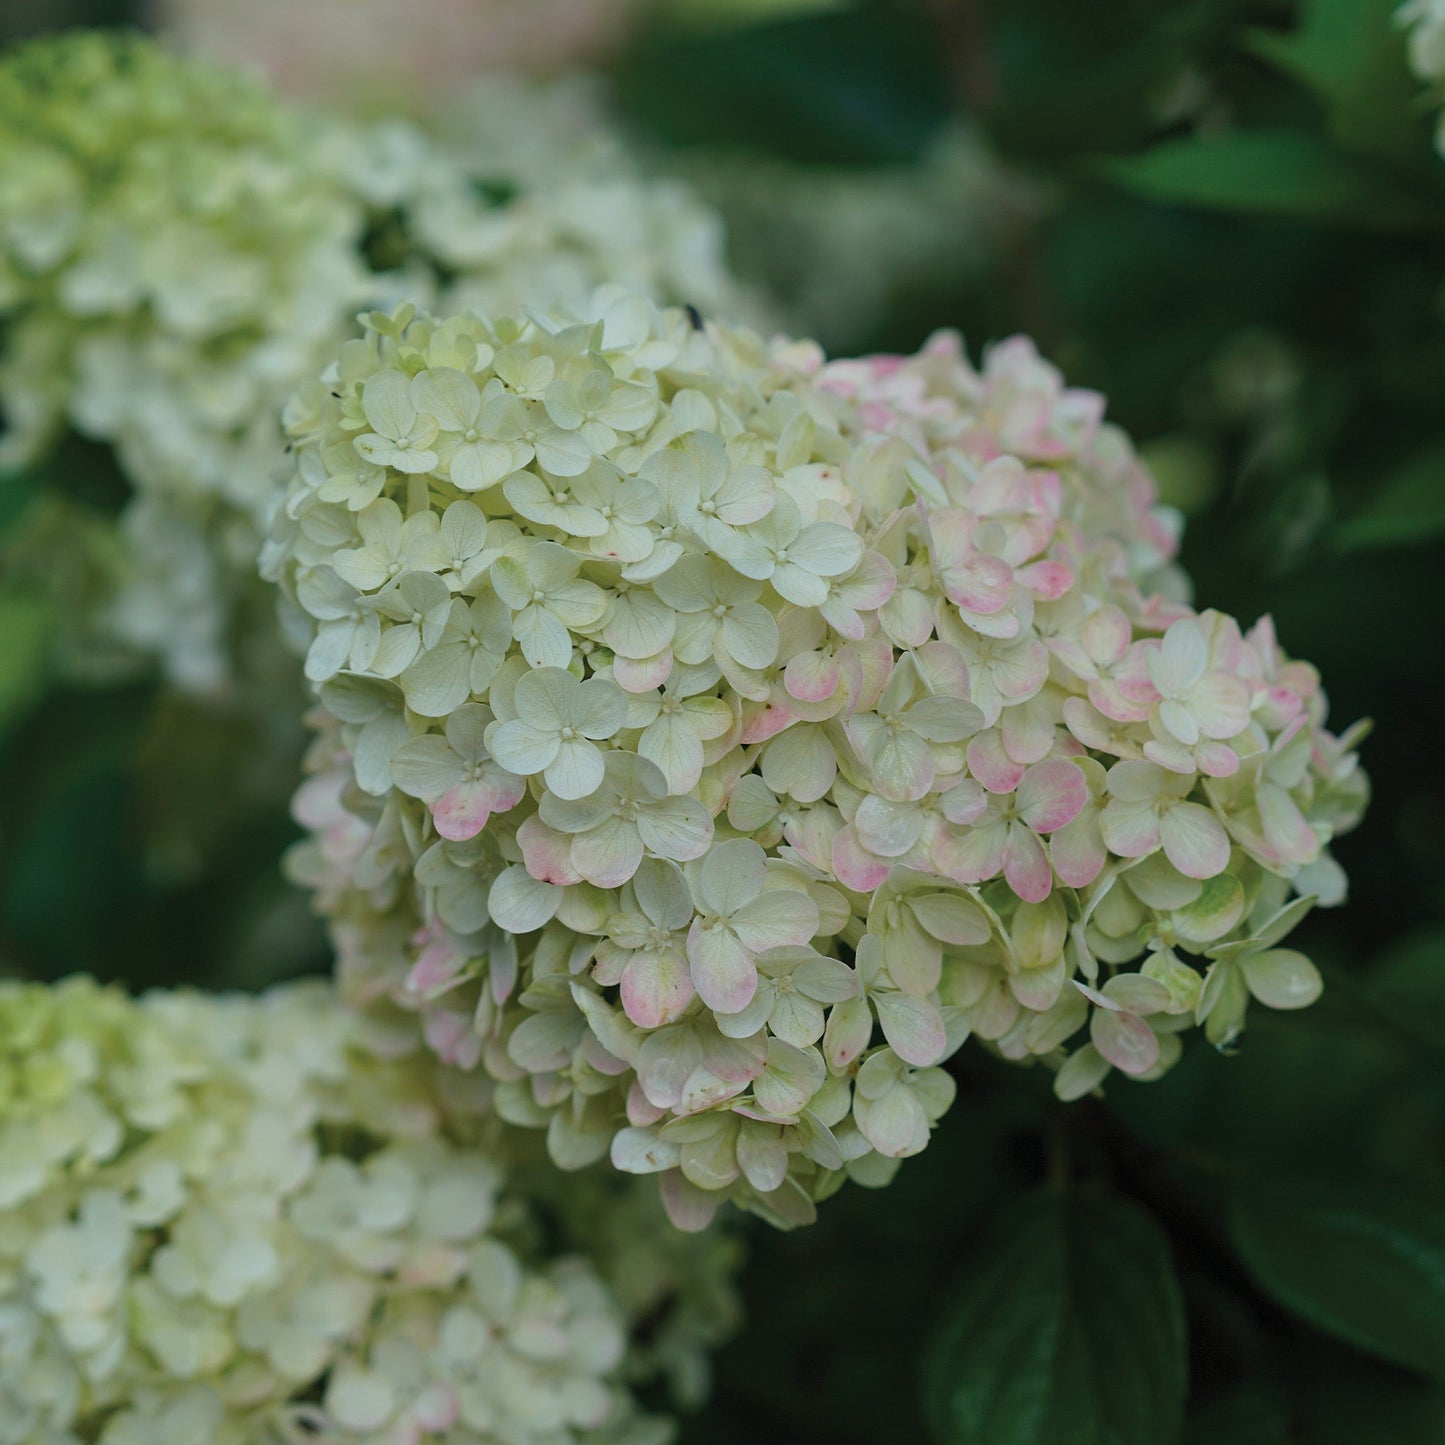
(1279, 346)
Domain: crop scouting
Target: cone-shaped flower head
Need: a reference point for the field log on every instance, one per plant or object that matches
(789, 722)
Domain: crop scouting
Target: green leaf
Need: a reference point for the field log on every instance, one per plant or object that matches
(24, 653)
(737, 14)
(1407, 507)
(1341, 1398)
(1364, 1264)
(70, 884)
(1249, 1414)
(851, 86)
(1068, 1331)
(1351, 55)
(1271, 173)
(1408, 985)
(17, 491)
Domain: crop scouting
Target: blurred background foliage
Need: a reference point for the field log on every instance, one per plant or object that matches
(1226, 215)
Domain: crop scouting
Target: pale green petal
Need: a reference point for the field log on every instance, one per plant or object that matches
(722, 969)
(775, 919)
(522, 748)
(1282, 978)
(564, 453)
(575, 772)
(466, 731)
(438, 681)
(679, 828)
(520, 903)
(662, 893)
(544, 641)
(750, 634)
(732, 875)
(386, 403)
(448, 395)
(826, 549)
(426, 767)
(608, 855)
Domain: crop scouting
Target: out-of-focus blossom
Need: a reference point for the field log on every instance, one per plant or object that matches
(230, 1219)
(409, 56)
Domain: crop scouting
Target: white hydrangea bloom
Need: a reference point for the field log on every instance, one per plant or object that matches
(809, 718)
(178, 250)
(243, 1225)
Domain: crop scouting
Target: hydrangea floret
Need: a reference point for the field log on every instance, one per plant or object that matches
(178, 251)
(715, 756)
(232, 1219)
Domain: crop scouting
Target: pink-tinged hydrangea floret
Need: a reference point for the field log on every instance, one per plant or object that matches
(867, 725)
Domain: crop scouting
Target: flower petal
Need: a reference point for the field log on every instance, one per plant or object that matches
(913, 1027)
(1282, 978)
(723, 971)
(776, 919)
(1124, 1040)
(656, 987)
(1194, 840)
(576, 771)
(1051, 795)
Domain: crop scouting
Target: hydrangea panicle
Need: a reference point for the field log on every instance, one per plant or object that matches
(810, 717)
(232, 1219)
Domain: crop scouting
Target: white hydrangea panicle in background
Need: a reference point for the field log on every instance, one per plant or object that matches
(178, 250)
(169, 265)
(230, 1219)
(522, 193)
(712, 738)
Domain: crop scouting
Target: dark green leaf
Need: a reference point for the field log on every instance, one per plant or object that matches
(1066, 79)
(1068, 1331)
(855, 86)
(1342, 1398)
(70, 884)
(1271, 173)
(717, 15)
(17, 491)
(1364, 1264)
(1351, 55)
(24, 650)
(1407, 507)
(1250, 1414)
(1408, 984)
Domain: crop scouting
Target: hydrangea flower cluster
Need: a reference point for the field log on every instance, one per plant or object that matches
(1425, 21)
(230, 1219)
(525, 194)
(713, 737)
(168, 267)
(178, 250)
